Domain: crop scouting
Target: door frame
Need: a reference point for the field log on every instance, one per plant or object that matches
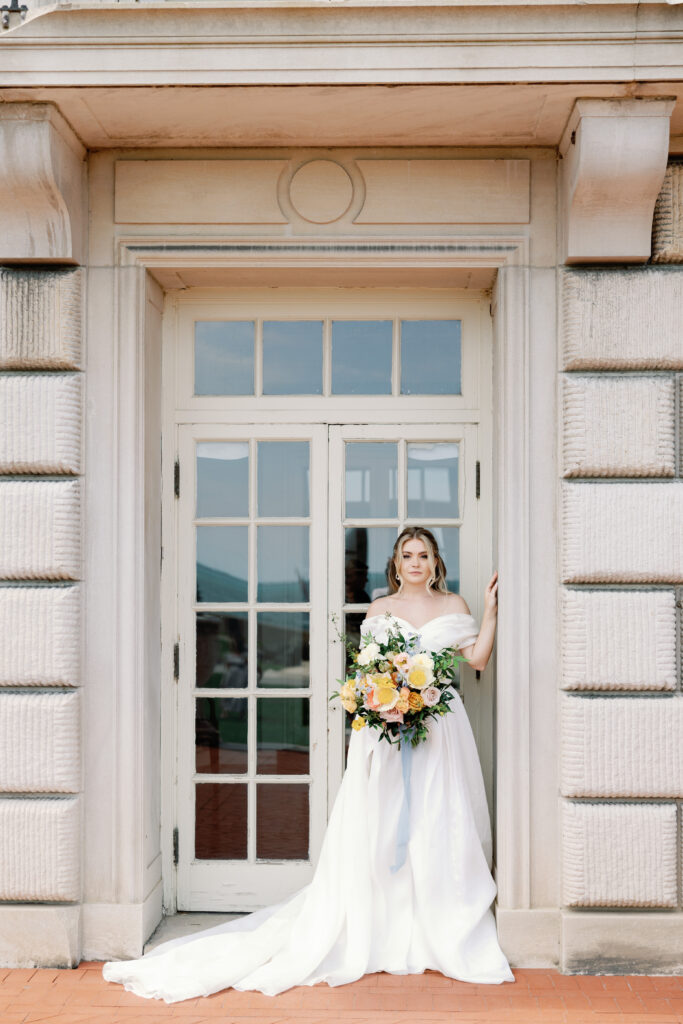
(468, 414)
(130, 411)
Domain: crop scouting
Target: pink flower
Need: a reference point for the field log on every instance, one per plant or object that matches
(392, 715)
(431, 696)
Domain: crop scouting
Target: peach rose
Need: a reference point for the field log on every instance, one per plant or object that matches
(392, 715)
(431, 696)
(416, 702)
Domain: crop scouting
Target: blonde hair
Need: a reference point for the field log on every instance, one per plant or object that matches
(437, 577)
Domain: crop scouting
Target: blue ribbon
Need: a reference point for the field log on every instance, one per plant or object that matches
(403, 829)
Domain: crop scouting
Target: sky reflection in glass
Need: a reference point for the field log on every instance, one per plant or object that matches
(432, 480)
(224, 357)
(292, 357)
(283, 478)
(361, 357)
(430, 357)
(222, 479)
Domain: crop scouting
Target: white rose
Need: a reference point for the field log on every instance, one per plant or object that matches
(368, 654)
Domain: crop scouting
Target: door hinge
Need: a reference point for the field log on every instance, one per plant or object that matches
(176, 479)
(478, 481)
(176, 661)
(175, 845)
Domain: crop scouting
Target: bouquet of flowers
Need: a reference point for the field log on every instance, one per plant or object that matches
(397, 686)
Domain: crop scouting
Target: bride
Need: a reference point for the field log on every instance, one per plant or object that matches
(358, 916)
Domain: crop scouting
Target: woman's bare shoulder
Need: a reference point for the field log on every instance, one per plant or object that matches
(456, 603)
(378, 607)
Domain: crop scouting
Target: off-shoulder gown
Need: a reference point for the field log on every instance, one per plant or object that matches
(356, 916)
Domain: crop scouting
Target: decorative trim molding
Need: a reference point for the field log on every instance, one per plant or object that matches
(42, 165)
(614, 154)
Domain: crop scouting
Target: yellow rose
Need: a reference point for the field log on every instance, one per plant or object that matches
(350, 705)
(348, 690)
(358, 723)
(415, 701)
(402, 704)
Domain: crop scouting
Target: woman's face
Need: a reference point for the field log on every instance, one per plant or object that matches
(415, 566)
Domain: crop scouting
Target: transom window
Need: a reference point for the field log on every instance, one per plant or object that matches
(327, 357)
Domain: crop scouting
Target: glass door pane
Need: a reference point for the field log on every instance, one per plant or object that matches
(253, 507)
(390, 477)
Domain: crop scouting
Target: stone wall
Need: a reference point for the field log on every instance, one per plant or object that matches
(40, 601)
(621, 704)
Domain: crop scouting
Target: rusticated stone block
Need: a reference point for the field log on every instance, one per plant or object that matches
(40, 423)
(622, 532)
(626, 319)
(40, 530)
(39, 849)
(618, 640)
(40, 627)
(627, 746)
(618, 427)
(40, 319)
(619, 855)
(39, 743)
(667, 227)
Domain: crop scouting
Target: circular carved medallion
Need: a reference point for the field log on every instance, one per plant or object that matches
(321, 191)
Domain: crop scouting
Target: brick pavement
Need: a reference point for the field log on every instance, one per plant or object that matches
(81, 996)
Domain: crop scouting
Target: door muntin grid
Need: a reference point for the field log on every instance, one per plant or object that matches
(387, 485)
(252, 610)
(329, 356)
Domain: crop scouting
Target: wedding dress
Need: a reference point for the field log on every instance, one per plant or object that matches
(356, 916)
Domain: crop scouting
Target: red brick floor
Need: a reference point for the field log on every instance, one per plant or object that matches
(80, 996)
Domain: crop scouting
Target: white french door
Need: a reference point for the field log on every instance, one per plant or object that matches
(252, 718)
(306, 430)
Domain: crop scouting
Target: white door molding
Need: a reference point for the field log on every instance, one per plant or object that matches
(129, 635)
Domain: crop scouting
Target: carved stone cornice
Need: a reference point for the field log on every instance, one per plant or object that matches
(614, 154)
(42, 199)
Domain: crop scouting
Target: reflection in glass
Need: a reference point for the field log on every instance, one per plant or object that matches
(367, 552)
(371, 475)
(222, 563)
(282, 563)
(361, 357)
(283, 478)
(432, 480)
(222, 478)
(220, 831)
(283, 652)
(221, 650)
(292, 357)
(448, 539)
(430, 357)
(282, 818)
(282, 728)
(221, 735)
(224, 357)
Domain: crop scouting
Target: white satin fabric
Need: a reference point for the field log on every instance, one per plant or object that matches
(355, 917)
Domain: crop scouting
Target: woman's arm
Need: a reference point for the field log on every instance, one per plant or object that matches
(479, 652)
